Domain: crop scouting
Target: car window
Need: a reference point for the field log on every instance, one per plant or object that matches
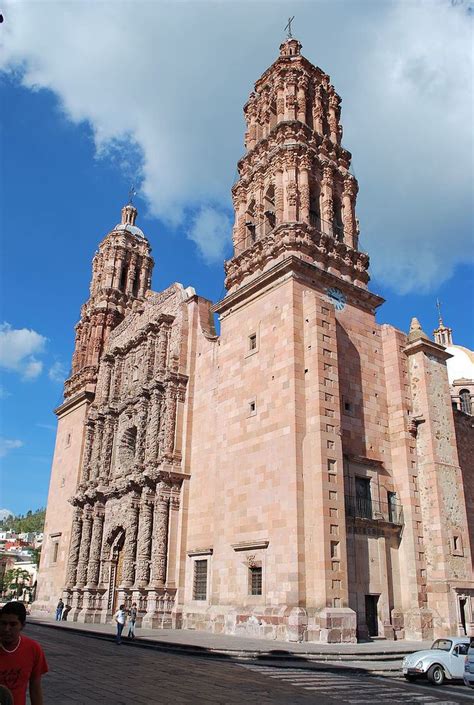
(442, 644)
(463, 649)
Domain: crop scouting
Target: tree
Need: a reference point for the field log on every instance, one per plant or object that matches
(15, 580)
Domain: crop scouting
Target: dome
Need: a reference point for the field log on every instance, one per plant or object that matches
(130, 229)
(461, 364)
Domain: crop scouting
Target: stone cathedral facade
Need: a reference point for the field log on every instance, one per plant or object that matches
(302, 475)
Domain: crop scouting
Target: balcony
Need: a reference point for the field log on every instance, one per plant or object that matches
(374, 511)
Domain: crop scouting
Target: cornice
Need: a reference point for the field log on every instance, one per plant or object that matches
(305, 271)
(83, 397)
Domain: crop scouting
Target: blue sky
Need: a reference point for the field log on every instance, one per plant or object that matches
(87, 113)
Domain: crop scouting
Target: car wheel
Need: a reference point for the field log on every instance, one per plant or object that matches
(412, 679)
(436, 675)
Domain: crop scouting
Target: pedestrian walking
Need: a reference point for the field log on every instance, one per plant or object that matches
(59, 610)
(22, 661)
(132, 618)
(120, 618)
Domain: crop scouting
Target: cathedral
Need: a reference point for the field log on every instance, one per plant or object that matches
(305, 474)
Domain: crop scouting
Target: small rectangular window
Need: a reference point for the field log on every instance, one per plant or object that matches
(200, 580)
(252, 408)
(253, 341)
(55, 551)
(255, 580)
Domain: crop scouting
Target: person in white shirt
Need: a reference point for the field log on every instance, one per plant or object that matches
(120, 617)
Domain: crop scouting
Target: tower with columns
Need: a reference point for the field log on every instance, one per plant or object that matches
(298, 476)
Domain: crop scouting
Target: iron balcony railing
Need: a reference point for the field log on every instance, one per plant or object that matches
(362, 508)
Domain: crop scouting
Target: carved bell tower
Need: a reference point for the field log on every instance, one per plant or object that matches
(121, 276)
(295, 193)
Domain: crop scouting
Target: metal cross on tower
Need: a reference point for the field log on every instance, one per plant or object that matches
(438, 306)
(288, 27)
(131, 194)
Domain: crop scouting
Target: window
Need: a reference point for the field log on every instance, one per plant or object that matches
(123, 278)
(465, 399)
(392, 506)
(363, 498)
(68, 440)
(55, 551)
(252, 408)
(253, 341)
(200, 580)
(255, 580)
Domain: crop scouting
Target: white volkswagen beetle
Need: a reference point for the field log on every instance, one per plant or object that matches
(445, 660)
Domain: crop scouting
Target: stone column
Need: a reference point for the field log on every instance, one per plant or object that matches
(96, 546)
(153, 428)
(348, 208)
(117, 378)
(301, 100)
(81, 577)
(291, 191)
(327, 206)
(130, 544)
(74, 546)
(304, 193)
(107, 380)
(97, 449)
(318, 111)
(87, 451)
(150, 357)
(161, 350)
(141, 431)
(144, 539)
(279, 202)
(170, 422)
(108, 444)
(333, 118)
(160, 541)
(280, 101)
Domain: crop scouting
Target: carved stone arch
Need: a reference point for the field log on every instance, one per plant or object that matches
(114, 541)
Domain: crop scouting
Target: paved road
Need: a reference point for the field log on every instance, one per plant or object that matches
(89, 671)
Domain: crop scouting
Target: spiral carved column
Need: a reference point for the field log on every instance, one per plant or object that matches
(160, 541)
(84, 550)
(144, 540)
(130, 544)
(96, 545)
(74, 547)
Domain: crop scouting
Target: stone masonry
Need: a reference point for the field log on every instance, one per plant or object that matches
(300, 476)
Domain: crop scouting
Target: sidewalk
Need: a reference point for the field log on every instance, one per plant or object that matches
(378, 657)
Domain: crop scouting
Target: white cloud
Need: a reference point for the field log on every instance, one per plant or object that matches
(163, 85)
(209, 228)
(57, 372)
(7, 444)
(18, 347)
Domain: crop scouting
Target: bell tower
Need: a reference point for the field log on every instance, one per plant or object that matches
(295, 193)
(121, 276)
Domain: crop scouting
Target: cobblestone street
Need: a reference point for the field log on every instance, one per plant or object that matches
(87, 671)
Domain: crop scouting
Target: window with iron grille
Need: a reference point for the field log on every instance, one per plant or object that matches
(200, 580)
(255, 580)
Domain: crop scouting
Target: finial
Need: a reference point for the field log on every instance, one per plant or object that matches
(288, 28)
(438, 306)
(131, 194)
(416, 331)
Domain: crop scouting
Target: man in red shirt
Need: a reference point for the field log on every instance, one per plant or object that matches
(22, 660)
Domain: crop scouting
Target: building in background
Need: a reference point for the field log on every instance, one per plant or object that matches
(302, 475)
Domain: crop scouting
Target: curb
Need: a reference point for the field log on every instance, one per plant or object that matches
(303, 660)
